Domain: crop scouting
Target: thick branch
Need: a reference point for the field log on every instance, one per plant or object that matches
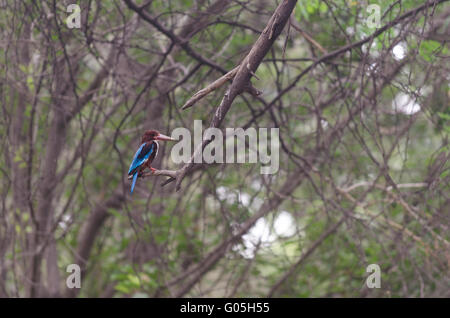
(246, 70)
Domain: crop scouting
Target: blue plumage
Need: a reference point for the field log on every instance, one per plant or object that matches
(145, 155)
(140, 157)
(134, 181)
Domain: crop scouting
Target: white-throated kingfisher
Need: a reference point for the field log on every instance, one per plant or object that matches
(146, 153)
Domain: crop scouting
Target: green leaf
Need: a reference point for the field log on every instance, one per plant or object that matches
(122, 288)
(134, 280)
(428, 49)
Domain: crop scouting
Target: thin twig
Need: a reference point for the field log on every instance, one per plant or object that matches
(169, 173)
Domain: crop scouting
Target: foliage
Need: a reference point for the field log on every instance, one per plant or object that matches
(364, 172)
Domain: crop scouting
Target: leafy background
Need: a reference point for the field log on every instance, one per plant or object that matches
(364, 172)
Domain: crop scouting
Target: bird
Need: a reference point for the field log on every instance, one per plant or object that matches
(145, 155)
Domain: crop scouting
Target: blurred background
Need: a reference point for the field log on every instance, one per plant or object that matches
(362, 107)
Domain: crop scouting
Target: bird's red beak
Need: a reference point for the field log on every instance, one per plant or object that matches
(165, 138)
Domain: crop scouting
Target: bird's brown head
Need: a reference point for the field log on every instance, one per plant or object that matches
(150, 135)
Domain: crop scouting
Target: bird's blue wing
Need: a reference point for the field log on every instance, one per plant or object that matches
(134, 182)
(142, 154)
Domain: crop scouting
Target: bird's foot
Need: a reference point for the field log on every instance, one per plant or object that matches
(152, 170)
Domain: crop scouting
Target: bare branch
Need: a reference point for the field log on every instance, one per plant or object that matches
(244, 73)
(210, 88)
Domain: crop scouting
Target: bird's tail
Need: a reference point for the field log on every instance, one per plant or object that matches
(134, 181)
